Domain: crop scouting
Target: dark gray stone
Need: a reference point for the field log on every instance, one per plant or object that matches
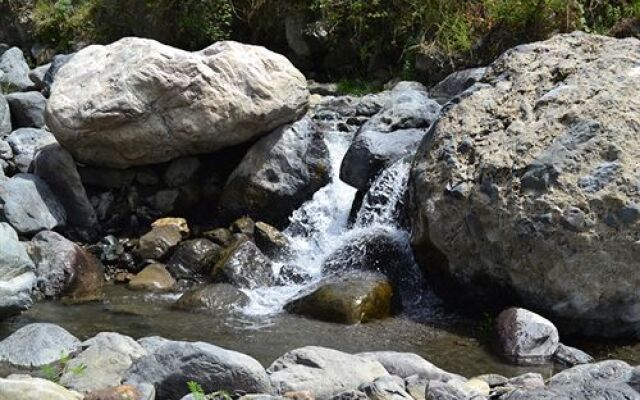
(57, 63)
(27, 109)
(197, 256)
(212, 298)
(456, 83)
(181, 170)
(244, 265)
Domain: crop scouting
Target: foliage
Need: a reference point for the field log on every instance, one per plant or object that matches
(358, 86)
(196, 390)
(53, 371)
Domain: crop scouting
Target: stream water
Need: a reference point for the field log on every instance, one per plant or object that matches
(263, 330)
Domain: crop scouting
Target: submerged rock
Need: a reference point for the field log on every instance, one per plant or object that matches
(29, 204)
(172, 364)
(284, 168)
(244, 265)
(323, 372)
(24, 387)
(17, 273)
(65, 269)
(525, 337)
(349, 300)
(212, 298)
(142, 102)
(154, 277)
(527, 191)
(36, 345)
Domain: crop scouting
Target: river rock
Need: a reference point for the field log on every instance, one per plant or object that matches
(406, 365)
(36, 345)
(5, 118)
(37, 75)
(570, 356)
(529, 185)
(438, 390)
(244, 266)
(178, 223)
(104, 360)
(154, 244)
(27, 109)
(24, 387)
(244, 226)
(220, 236)
(65, 269)
(269, 239)
(526, 337)
(603, 372)
(173, 364)
(56, 167)
(121, 392)
(349, 300)
(29, 205)
(56, 63)
(391, 134)
(14, 71)
(212, 298)
(285, 168)
(456, 83)
(180, 171)
(137, 101)
(385, 388)
(17, 276)
(26, 142)
(195, 256)
(323, 372)
(351, 395)
(154, 277)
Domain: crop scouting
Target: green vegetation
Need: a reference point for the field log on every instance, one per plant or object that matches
(53, 372)
(365, 35)
(196, 390)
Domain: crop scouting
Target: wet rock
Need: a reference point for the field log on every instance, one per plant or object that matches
(156, 243)
(244, 265)
(244, 225)
(455, 83)
(389, 135)
(36, 345)
(181, 170)
(5, 118)
(406, 365)
(213, 298)
(122, 392)
(522, 186)
(14, 71)
(195, 256)
(154, 277)
(26, 142)
(323, 372)
(173, 364)
(24, 387)
(56, 167)
(179, 223)
(27, 109)
(104, 361)
(65, 269)
(220, 236)
(17, 276)
(385, 388)
(234, 93)
(525, 337)
(285, 168)
(570, 356)
(269, 239)
(29, 204)
(349, 300)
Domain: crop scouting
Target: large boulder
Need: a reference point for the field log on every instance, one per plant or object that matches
(137, 101)
(14, 71)
(29, 205)
(27, 109)
(526, 337)
(104, 361)
(323, 372)
(527, 190)
(17, 276)
(65, 269)
(24, 387)
(172, 364)
(285, 168)
(26, 142)
(394, 132)
(36, 345)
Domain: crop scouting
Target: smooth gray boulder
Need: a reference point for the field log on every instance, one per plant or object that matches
(5, 118)
(285, 168)
(529, 185)
(570, 356)
(29, 205)
(104, 360)
(525, 337)
(456, 83)
(601, 373)
(406, 365)
(171, 365)
(14, 71)
(393, 133)
(17, 276)
(56, 167)
(323, 372)
(36, 345)
(26, 142)
(27, 109)
(142, 102)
